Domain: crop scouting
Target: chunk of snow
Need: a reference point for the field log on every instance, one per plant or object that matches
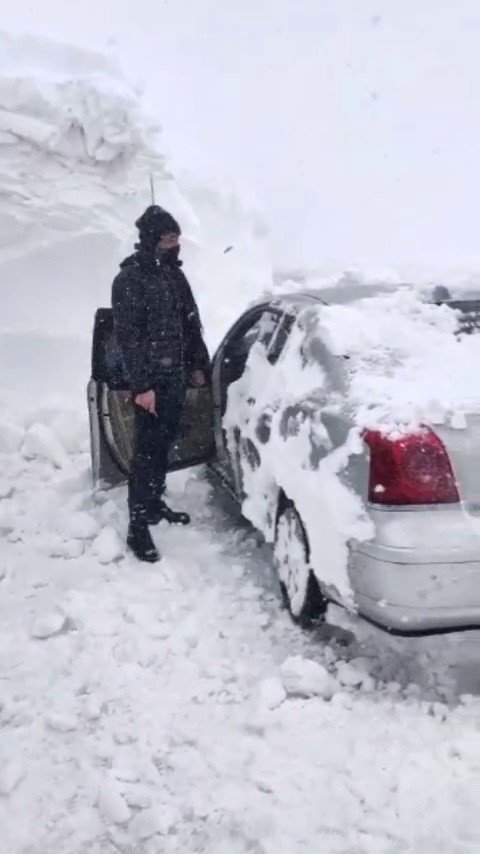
(157, 820)
(111, 804)
(272, 693)
(70, 429)
(53, 545)
(21, 127)
(92, 709)
(74, 478)
(11, 775)
(61, 723)
(124, 737)
(189, 630)
(106, 513)
(48, 625)
(145, 824)
(41, 441)
(107, 546)
(138, 799)
(354, 673)
(79, 525)
(305, 678)
(71, 550)
(11, 437)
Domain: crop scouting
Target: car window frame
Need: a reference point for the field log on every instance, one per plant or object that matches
(247, 321)
(281, 335)
(240, 328)
(243, 325)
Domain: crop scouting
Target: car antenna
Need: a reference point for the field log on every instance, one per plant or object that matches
(152, 189)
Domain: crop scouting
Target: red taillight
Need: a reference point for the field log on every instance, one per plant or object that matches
(414, 469)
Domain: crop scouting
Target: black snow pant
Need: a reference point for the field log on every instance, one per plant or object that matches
(153, 436)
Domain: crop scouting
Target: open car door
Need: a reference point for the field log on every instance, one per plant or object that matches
(111, 415)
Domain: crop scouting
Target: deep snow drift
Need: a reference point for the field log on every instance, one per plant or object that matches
(76, 155)
(174, 708)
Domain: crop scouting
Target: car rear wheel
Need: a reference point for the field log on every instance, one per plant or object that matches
(300, 588)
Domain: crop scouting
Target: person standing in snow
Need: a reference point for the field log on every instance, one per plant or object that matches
(159, 336)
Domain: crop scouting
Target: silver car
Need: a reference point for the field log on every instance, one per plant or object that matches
(402, 577)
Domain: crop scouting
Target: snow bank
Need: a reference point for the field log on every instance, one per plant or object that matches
(76, 153)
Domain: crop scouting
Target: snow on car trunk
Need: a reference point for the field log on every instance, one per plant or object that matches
(410, 365)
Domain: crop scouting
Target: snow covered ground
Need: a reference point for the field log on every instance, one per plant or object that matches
(175, 708)
(151, 709)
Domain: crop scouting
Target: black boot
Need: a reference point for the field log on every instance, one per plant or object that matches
(158, 510)
(139, 541)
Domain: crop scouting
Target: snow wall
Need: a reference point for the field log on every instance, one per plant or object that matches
(76, 154)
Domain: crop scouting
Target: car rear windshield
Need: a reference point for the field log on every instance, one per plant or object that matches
(469, 315)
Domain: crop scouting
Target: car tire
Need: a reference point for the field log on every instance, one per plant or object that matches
(300, 589)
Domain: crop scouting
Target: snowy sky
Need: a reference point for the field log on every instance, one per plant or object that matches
(353, 123)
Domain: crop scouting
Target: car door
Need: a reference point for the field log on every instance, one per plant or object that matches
(111, 414)
(258, 324)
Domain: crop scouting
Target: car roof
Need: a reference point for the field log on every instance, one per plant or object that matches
(340, 294)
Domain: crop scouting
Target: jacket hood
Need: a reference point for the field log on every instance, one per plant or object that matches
(130, 261)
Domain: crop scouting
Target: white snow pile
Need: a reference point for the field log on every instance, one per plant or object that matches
(76, 154)
(305, 678)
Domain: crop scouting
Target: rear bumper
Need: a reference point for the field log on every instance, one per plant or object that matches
(394, 589)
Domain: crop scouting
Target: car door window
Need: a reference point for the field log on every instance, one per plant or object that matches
(259, 327)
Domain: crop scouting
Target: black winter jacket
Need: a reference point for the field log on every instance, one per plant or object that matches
(156, 323)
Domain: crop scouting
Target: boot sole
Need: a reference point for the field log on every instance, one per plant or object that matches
(155, 558)
(155, 521)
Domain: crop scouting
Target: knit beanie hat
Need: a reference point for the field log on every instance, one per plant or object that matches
(153, 224)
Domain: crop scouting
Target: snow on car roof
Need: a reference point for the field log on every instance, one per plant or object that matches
(405, 361)
(338, 294)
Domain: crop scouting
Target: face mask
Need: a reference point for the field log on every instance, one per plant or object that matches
(169, 256)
